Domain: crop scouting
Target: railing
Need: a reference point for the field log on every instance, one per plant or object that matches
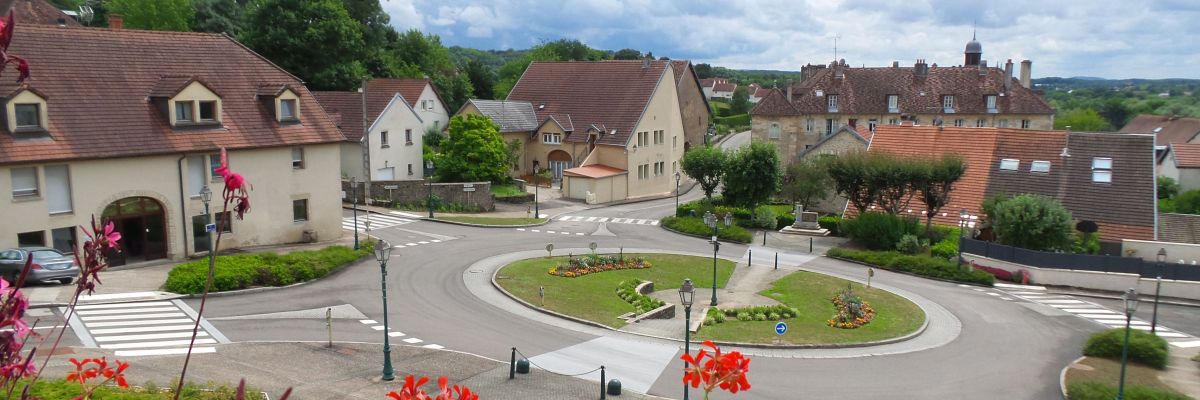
(1085, 262)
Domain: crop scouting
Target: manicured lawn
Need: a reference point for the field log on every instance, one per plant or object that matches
(507, 190)
(811, 293)
(61, 389)
(1107, 372)
(594, 296)
(493, 221)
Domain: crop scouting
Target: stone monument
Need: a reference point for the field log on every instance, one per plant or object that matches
(806, 223)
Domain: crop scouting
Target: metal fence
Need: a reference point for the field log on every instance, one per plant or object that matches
(1085, 262)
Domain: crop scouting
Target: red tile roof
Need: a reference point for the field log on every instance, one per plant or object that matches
(725, 87)
(40, 12)
(345, 107)
(1169, 130)
(760, 92)
(98, 81)
(774, 103)
(708, 82)
(594, 171)
(1187, 155)
(579, 94)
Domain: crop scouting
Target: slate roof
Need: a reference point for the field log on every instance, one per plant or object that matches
(1169, 130)
(98, 81)
(512, 116)
(774, 103)
(609, 94)
(844, 130)
(345, 107)
(1187, 155)
(865, 91)
(40, 12)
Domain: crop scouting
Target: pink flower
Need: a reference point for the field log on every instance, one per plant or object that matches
(237, 190)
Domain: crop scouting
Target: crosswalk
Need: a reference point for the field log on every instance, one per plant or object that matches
(631, 221)
(146, 328)
(378, 221)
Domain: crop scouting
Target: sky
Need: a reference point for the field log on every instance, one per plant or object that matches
(1101, 38)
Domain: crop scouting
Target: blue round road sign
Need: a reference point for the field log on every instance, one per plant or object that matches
(780, 328)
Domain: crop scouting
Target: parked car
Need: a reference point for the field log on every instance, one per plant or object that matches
(48, 265)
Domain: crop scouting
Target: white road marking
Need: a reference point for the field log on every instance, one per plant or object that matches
(993, 294)
(590, 219)
(395, 334)
(187, 327)
(579, 234)
(140, 322)
(1063, 301)
(125, 311)
(413, 340)
(602, 219)
(1170, 334)
(377, 327)
(410, 244)
(550, 232)
(166, 343)
(139, 316)
(521, 229)
(1089, 311)
(1186, 345)
(149, 336)
(160, 352)
(433, 346)
(367, 321)
(122, 305)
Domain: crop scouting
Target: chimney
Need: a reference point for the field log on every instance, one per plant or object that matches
(1008, 67)
(895, 64)
(789, 93)
(1027, 74)
(645, 63)
(983, 68)
(116, 21)
(920, 69)
(839, 70)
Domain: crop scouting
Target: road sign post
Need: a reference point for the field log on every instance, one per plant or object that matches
(780, 329)
(550, 250)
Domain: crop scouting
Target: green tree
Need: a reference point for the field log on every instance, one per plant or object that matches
(740, 104)
(707, 166)
(473, 152)
(378, 40)
(481, 79)
(703, 70)
(1033, 222)
(806, 181)
(1167, 187)
(934, 180)
(158, 15)
(1115, 112)
(851, 175)
(627, 54)
(1082, 119)
(1188, 202)
(433, 137)
(315, 39)
(218, 16)
(893, 177)
(752, 175)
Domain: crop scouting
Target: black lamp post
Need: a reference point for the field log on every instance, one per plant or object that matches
(354, 201)
(1162, 258)
(429, 181)
(677, 177)
(383, 251)
(537, 213)
(711, 220)
(1131, 303)
(687, 293)
(206, 197)
(963, 216)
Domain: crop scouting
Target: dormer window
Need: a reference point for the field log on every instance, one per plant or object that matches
(26, 111)
(832, 102)
(208, 111)
(948, 104)
(183, 112)
(893, 103)
(186, 101)
(29, 116)
(991, 104)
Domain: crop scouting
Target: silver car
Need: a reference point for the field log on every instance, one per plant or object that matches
(48, 265)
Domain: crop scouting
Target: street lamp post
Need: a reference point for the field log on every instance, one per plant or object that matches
(1131, 303)
(1162, 258)
(537, 213)
(963, 216)
(711, 219)
(354, 201)
(429, 181)
(383, 251)
(206, 196)
(677, 177)
(687, 293)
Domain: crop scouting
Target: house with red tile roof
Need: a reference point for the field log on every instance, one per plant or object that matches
(1167, 131)
(1181, 162)
(399, 112)
(127, 125)
(830, 96)
(1106, 178)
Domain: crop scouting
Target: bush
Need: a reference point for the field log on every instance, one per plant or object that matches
(909, 244)
(879, 231)
(917, 265)
(784, 220)
(1101, 391)
(1144, 347)
(946, 248)
(1032, 222)
(832, 223)
(696, 226)
(262, 269)
(744, 316)
(627, 290)
(765, 218)
(734, 120)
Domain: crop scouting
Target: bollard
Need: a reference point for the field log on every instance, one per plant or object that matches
(329, 324)
(776, 261)
(622, 259)
(749, 257)
(512, 364)
(602, 392)
(810, 245)
(614, 387)
(764, 238)
(523, 366)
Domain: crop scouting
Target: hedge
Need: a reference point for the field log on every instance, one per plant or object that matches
(234, 272)
(1101, 391)
(1144, 347)
(880, 231)
(696, 226)
(832, 223)
(734, 120)
(918, 265)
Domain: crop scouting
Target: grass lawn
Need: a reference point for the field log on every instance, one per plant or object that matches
(507, 190)
(493, 220)
(594, 296)
(811, 293)
(1107, 371)
(781, 209)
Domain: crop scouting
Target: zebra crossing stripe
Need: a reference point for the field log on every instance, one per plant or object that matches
(161, 352)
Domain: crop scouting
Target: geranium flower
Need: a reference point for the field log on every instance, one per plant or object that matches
(237, 190)
(727, 371)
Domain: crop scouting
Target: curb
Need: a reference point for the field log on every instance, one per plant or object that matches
(1055, 290)
(709, 238)
(1062, 376)
(907, 273)
(547, 221)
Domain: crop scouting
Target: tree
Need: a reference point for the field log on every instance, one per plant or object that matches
(473, 152)
(158, 15)
(893, 178)
(850, 174)
(481, 79)
(703, 70)
(378, 38)
(707, 166)
(752, 175)
(1167, 187)
(627, 54)
(935, 180)
(806, 181)
(314, 39)
(218, 16)
(1081, 119)
(1033, 222)
(740, 104)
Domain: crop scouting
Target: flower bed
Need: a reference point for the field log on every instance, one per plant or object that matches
(755, 313)
(627, 290)
(580, 266)
(852, 312)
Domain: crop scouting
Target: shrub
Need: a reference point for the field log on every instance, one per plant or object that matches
(744, 316)
(764, 217)
(696, 226)
(947, 247)
(1144, 347)
(909, 244)
(918, 265)
(242, 271)
(627, 290)
(879, 231)
(784, 220)
(832, 223)
(1101, 391)
(1032, 222)
(773, 316)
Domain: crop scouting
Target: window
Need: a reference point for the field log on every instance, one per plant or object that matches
(29, 116)
(1002, 123)
(959, 122)
(63, 239)
(195, 168)
(208, 111)
(980, 123)
(810, 126)
(1102, 170)
(214, 162)
(297, 157)
(948, 104)
(408, 137)
(31, 239)
(287, 110)
(660, 137)
(641, 139)
(893, 121)
(224, 222)
(832, 99)
(773, 133)
(300, 210)
(893, 103)
(660, 168)
(1010, 164)
(554, 138)
(183, 111)
(871, 124)
(383, 139)
(828, 126)
(24, 182)
(991, 103)
(674, 167)
(410, 170)
(1039, 166)
(675, 141)
(58, 189)
(1024, 124)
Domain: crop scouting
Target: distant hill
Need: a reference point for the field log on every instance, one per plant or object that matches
(1085, 82)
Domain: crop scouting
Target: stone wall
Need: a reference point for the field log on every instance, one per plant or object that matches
(409, 192)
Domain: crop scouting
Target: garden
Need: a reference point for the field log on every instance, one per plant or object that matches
(1096, 376)
(242, 271)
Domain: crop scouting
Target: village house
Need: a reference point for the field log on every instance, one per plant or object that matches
(127, 125)
(828, 97)
(1169, 131)
(399, 112)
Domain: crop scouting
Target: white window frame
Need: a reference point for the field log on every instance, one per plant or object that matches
(1039, 166)
(297, 157)
(959, 122)
(980, 123)
(284, 108)
(1102, 170)
(551, 138)
(408, 137)
(58, 194)
(25, 192)
(196, 170)
(871, 124)
(990, 101)
(187, 106)
(893, 101)
(832, 102)
(948, 102)
(811, 125)
(1025, 124)
(37, 116)
(1010, 164)
(307, 212)
(774, 131)
(383, 139)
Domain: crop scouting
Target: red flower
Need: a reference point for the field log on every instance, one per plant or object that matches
(237, 190)
(727, 371)
(412, 390)
(6, 35)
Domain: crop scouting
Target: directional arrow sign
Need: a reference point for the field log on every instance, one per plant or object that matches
(780, 328)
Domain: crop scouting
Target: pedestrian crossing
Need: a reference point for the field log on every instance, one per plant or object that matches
(145, 328)
(551, 232)
(391, 333)
(378, 221)
(631, 221)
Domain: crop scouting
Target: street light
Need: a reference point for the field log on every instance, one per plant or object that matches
(677, 177)
(1131, 303)
(963, 216)
(383, 251)
(1162, 258)
(537, 213)
(687, 293)
(354, 201)
(429, 181)
(711, 220)
(206, 197)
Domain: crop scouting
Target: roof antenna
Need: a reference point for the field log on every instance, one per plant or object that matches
(974, 27)
(835, 50)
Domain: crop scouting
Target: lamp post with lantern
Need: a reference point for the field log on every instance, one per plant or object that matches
(354, 201)
(1131, 303)
(687, 294)
(712, 221)
(383, 251)
(429, 181)
(1162, 259)
(537, 213)
(963, 217)
(677, 177)
(206, 197)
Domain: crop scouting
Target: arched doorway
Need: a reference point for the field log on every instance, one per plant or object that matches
(559, 161)
(142, 223)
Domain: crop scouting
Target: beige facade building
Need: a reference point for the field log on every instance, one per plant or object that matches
(127, 125)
